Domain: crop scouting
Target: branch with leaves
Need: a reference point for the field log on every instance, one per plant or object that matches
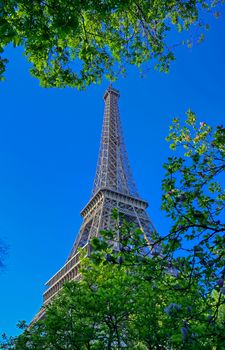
(77, 43)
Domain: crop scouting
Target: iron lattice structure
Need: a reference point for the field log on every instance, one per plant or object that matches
(113, 168)
(114, 187)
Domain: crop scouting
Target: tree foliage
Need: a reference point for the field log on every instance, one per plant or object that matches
(76, 43)
(194, 198)
(166, 294)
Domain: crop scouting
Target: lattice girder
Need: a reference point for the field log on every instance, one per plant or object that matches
(97, 215)
(113, 168)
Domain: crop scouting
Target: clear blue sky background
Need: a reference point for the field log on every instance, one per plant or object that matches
(49, 141)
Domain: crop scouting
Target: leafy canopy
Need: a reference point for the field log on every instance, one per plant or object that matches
(76, 43)
(194, 198)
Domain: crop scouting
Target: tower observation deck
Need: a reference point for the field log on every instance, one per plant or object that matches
(113, 187)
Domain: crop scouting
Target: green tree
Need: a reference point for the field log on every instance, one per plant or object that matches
(125, 299)
(76, 43)
(194, 198)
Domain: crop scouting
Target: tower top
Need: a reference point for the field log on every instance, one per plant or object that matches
(113, 168)
(111, 90)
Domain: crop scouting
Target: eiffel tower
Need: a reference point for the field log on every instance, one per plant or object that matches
(114, 187)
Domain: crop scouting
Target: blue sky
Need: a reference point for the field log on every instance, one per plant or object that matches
(49, 141)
